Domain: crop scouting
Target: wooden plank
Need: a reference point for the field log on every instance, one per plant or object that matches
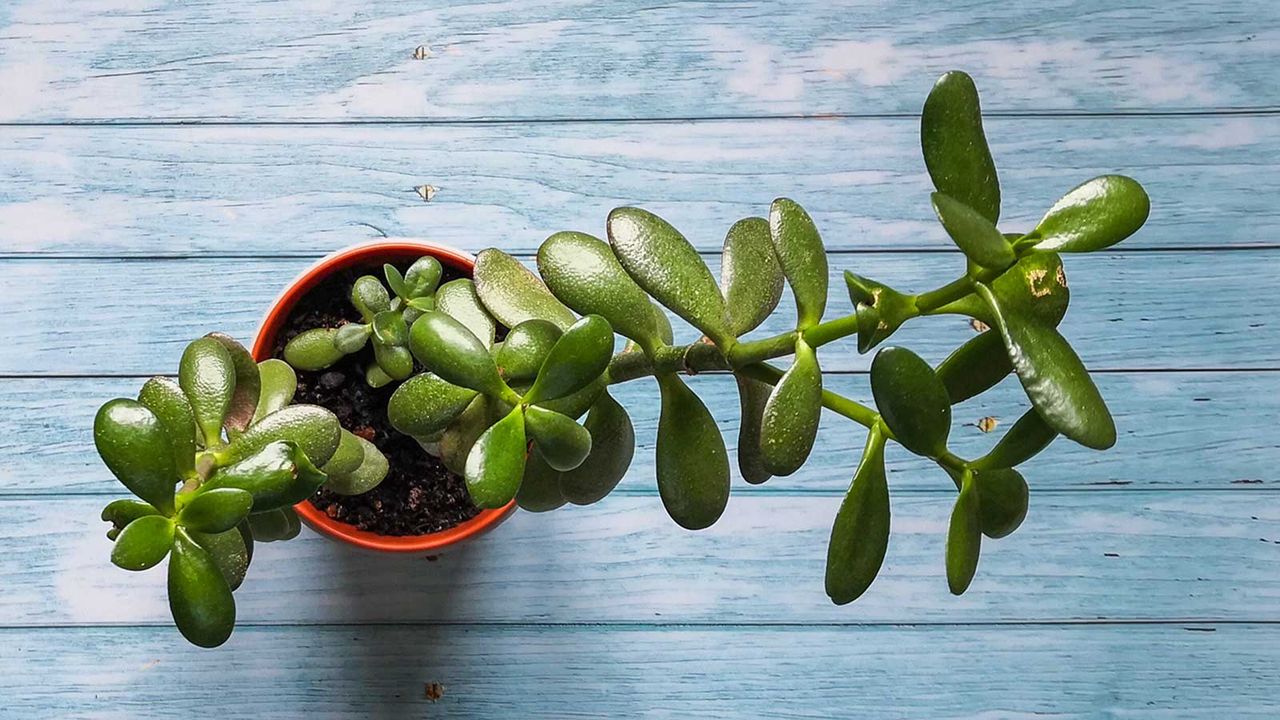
(309, 190)
(1079, 556)
(293, 60)
(1206, 421)
(1131, 311)
(1084, 671)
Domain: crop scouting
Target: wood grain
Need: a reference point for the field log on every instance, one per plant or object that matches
(383, 673)
(294, 60)
(238, 190)
(1078, 556)
(1178, 430)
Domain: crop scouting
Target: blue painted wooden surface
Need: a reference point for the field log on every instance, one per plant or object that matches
(166, 166)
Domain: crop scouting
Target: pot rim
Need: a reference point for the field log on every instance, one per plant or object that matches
(381, 250)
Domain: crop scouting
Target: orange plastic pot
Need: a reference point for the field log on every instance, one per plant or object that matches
(373, 255)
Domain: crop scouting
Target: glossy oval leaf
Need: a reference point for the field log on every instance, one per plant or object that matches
(580, 356)
(248, 385)
(370, 473)
(1094, 215)
(1002, 501)
(495, 463)
(125, 510)
(513, 294)
(312, 428)
(583, 272)
(577, 403)
(395, 360)
(752, 396)
(964, 537)
(422, 277)
(1036, 287)
(389, 329)
(136, 449)
(199, 597)
(912, 401)
(279, 383)
(458, 299)
(425, 404)
(271, 475)
(692, 463)
(613, 444)
(750, 275)
(217, 510)
(955, 146)
(207, 375)
(802, 257)
(449, 349)
(166, 400)
(347, 457)
(313, 349)
(143, 543)
(563, 443)
(525, 348)
(1028, 436)
(789, 424)
(668, 267)
(1053, 376)
(975, 367)
(369, 297)
(860, 534)
(457, 440)
(352, 337)
(229, 550)
(275, 525)
(975, 235)
(540, 486)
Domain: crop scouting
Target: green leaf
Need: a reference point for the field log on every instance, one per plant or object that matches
(540, 486)
(125, 510)
(352, 337)
(912, 401)
(136, 449)
(752, 396)
(395, 360)
(163, 397)
(279, 383)
(583, 272)
(1028, 436)
(789, 424)
(370, 297)
(389, 329)
(423, 276)
(880, 309)
(199, 596)
(458, 300)
(367, 476)
(247, 384)
(973, 233)
(613, 444)
(229, 550)
(860, 535)
(278, 475)
(668, 267)
(802, 257)
(578, 402)
(421, 304)
(513, 294)
(376, 377)
(207, 375)
(1036, 287)
(461, 435)
(447, 348)
(314, 349)
(526, 347)
(1053, 377)
(955, 147)
(143, 543)
(495, 463)
(275, 525)
(1002, 502)
(347, 457)
(313, 429)
(750, 276)
(964, 537)
(395, 281)
(563, 443)
(580, 356)
(692, 463)
(425, 404)
(217, 510)
(975, 367)
(1095, 215)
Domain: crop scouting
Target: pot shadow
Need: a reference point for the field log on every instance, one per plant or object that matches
(397, 614)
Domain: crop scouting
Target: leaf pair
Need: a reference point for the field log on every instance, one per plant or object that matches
(612, 446)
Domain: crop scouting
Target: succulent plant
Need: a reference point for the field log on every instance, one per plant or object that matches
(216, 460)
(506, 414)
(386, 316)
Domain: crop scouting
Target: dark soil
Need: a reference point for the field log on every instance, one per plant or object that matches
(419, 495)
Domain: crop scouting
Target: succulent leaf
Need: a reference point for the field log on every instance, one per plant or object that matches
(973, 233)
(803, 259)
(750, 275)
(199, 596)
(449, 349)
(279, 383)
(143, 543)
(425, 404)
(370, 297)
(163, 397)
(789, 424)
(964, 537)
(495, 463)
(513, 294)
(136, 449)
(216, 510)
(458, 299)
(314, 349)
(563, 443)
(313, 429)
(860, 534)
(525, 349)
(368, 474)
(1093, 216)
(692, 463)
(207, 375)
(912, 401)
(955, 146)
(580, 356)
(752, 396)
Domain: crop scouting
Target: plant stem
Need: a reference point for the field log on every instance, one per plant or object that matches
(834, 402)
(934, 299)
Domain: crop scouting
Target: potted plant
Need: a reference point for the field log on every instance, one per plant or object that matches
(504, 378)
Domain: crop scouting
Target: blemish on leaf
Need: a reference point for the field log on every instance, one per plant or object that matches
(978, 325)
(1062, 277)
(987, 424)
(433, 691)
(426, 192)
(1034, 278)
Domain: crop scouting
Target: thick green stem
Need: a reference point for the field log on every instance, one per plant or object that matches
(832, 330)
(929, 301)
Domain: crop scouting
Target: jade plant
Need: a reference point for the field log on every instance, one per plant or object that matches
(216, 460)
(506, 414)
